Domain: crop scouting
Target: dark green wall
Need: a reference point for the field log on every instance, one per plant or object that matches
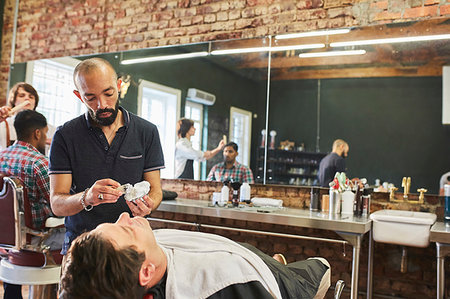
(393, 125)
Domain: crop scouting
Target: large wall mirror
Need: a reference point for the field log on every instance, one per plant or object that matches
(204, 82)
(386, 101)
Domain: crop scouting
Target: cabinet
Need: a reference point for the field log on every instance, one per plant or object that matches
(289, 167)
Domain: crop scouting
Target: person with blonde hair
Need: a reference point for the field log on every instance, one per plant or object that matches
(185, 154)
(333, 162)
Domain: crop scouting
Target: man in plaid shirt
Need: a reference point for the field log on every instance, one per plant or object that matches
(26, 161)
(230, 169)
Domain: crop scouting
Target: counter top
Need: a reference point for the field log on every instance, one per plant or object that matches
(282, 216)
(440, 232)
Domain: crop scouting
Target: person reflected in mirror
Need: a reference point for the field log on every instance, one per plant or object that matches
(230, 169)
(26, 161)
(22, 96)
(185, 154)
(444, 180)
(169, 263)
(333, 162)
(95, 153)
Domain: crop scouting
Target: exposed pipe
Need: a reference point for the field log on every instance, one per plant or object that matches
(267, 111)
(199, 225)
(318, 118)
(13, 45)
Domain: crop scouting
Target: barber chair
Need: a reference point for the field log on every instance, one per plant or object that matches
(23, 263)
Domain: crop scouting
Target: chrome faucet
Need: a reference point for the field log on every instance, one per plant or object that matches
(406, 184)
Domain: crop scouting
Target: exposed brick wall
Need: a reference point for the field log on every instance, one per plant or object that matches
(418, 282)
(54, 28)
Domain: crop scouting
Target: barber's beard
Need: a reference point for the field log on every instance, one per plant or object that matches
(105, 121)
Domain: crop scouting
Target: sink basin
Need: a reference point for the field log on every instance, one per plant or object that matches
(402, 227)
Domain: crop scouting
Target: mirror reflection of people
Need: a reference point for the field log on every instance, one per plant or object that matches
(18, 94)
(445, 179)
(333, 162)
(168, 263)
(26, 161)
(185, 154)
(230, 169)
(95, 153)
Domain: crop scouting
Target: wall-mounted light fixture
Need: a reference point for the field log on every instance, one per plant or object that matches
(165, 57)
(267, 49)
(313, 33)
(391, 40)
(332, 53)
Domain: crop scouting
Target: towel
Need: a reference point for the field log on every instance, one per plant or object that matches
(267, 202)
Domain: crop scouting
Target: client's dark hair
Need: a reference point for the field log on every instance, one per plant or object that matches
(233, 145)
(185, 124)
(26, 122)
(96, 269)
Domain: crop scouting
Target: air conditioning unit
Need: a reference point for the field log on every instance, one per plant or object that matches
(446, 95)
(199, 96)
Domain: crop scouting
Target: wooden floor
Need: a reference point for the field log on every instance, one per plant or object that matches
(25, 291)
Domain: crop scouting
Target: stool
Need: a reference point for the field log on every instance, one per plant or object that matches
(43, 281)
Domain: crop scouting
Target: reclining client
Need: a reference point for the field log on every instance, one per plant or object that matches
(127, 259)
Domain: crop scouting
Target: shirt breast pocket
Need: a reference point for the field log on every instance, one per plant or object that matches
(131, 162)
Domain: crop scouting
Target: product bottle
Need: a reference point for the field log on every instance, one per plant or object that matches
(357, 202)
(314, 203)
(235, 186)
(224, 194)
(365, 201)
(347, 201)
(245, 192)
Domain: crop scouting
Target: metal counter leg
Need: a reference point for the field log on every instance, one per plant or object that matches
(370, 267)
(355, 269)
(440, 272)
(355, 240)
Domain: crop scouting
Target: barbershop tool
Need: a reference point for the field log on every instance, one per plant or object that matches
(18, 107)
(235, 186)
(139, 190)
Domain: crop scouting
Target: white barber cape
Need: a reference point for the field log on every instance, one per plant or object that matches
(201, 264)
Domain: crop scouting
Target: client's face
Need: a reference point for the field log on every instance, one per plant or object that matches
(128, 232)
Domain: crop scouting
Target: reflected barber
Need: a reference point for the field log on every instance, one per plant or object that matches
(95, 153)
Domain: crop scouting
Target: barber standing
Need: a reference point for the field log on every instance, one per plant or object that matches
(185, 154)
(95, 153)
(333, 162)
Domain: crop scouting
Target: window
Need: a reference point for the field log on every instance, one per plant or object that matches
(241, 132)
(53, 80)
(194, 111)
(160, 105)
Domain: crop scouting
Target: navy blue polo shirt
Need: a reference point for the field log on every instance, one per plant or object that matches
(83, 151)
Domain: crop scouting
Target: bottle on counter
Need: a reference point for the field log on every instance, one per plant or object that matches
(335, 202)
(347, 201)
(224, 194)
(314, 203)
(235, 186)
(357, 211)
(245, 192)
(365, 201)
(447, 203)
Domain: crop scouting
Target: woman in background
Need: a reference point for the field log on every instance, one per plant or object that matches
(21, 92)
(185, 154)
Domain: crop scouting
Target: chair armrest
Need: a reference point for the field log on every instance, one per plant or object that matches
(53, 222)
